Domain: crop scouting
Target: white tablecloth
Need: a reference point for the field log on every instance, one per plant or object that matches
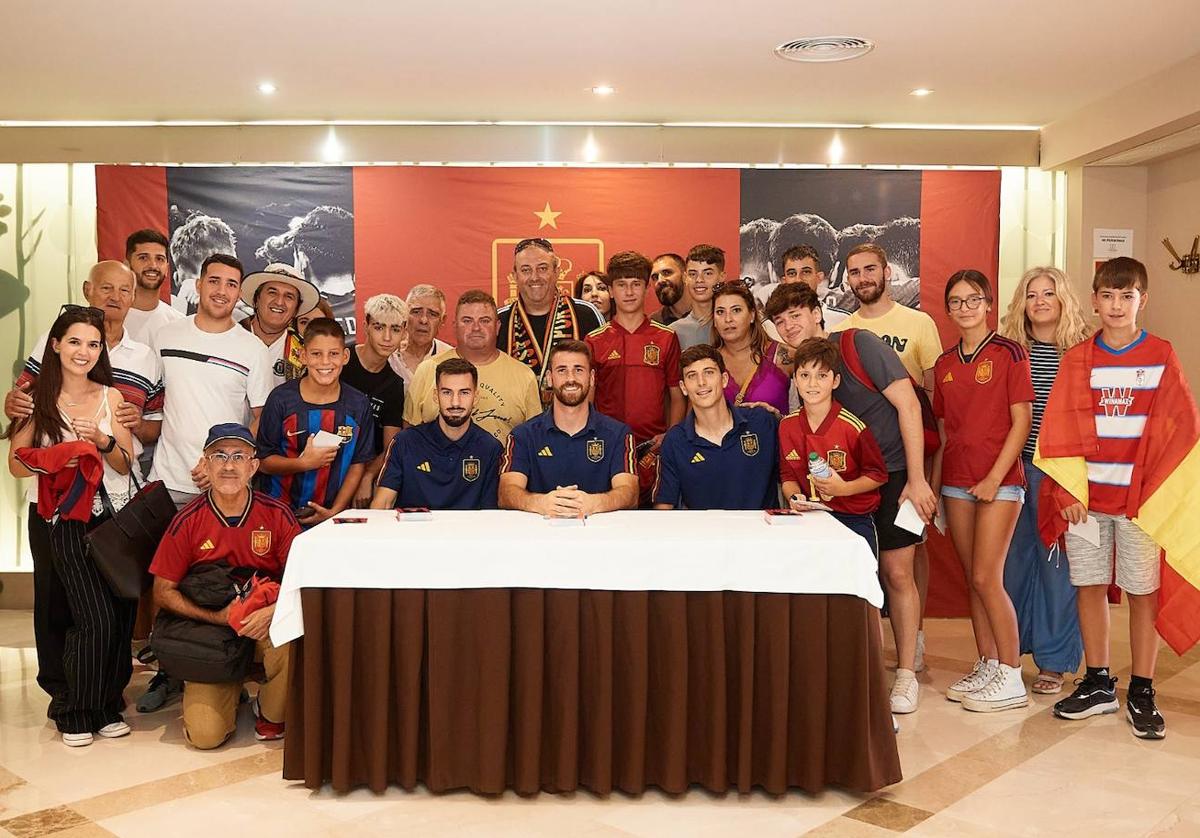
(678, 550)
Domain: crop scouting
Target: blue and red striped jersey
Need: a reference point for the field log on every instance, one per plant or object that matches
(286, 424)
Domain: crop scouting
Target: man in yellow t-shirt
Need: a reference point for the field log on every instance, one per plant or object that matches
(914, 336)
(508, 390)
(910, 332)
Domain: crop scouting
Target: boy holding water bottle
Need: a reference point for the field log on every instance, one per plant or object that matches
(826, 453)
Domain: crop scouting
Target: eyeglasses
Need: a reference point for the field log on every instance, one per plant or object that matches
(237, 458)
(544, 244)
(972, 302)
(92, 312)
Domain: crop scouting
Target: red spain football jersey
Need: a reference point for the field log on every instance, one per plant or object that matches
(845, 443)
(1124, 383)
(259, 538)
(634, 370)
(973, 396)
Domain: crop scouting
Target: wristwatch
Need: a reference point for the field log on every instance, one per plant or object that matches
(112, 443)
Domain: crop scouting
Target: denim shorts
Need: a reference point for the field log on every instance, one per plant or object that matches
(1016, 493)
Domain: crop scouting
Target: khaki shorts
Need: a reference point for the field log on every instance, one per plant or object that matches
(1137, 566)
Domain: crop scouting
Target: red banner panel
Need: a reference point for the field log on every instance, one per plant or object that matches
(128, 198)
(960, 228)
(455, 227)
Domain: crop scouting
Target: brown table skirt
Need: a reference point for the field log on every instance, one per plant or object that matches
(492, 689)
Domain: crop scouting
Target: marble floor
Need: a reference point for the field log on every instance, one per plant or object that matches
(1016, 773)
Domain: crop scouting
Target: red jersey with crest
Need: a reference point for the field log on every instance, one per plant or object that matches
(634, 371)
(1124, 382)
(845, 443)
(972, 395)
(259, 538)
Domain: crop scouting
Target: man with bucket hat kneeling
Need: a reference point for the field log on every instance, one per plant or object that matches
(235, 531)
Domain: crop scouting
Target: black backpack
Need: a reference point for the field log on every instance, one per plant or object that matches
(203, 652)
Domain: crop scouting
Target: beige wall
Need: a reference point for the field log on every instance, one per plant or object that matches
(1173, 211)
(1106, 197)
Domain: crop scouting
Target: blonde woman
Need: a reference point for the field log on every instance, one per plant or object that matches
(1046, 318)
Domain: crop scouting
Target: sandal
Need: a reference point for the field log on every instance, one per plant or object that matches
(1047, 684)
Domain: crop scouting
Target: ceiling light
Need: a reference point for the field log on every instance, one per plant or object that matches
(604, 90)
(921, 91)
(825, 48)
(591, 151)
(836, 150)
(332, 150)
(266, 88)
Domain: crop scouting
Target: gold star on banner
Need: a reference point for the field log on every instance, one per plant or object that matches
(548, 217)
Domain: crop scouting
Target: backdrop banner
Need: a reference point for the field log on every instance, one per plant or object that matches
(364, 230)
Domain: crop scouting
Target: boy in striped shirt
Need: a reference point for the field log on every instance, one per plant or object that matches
(1125, 369)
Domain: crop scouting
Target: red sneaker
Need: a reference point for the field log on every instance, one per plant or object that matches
(264, 729)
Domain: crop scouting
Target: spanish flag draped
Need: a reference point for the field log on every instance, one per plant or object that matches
(1164, 493)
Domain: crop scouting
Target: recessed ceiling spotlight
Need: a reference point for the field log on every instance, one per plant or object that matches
(825, 48)
(266, 88)
(603, 90)
(921, 91)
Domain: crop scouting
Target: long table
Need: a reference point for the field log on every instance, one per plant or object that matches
(496, 650)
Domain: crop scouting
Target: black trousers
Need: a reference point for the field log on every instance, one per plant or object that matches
(96, 657)
(51, 613)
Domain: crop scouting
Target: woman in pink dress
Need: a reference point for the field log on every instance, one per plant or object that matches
(757, 375)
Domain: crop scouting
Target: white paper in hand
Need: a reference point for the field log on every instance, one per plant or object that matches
(908, 518)
(324, 439)
(1089, 530)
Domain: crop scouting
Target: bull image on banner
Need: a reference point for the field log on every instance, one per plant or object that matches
(831, 211)
(302, 217)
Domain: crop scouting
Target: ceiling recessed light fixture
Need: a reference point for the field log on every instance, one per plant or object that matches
(921, 91)
(825, 48)
(603, 90)
(266, 88)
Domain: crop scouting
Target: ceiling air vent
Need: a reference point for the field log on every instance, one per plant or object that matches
(829, 48)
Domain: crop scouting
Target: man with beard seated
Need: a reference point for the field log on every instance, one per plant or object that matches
(448, 463)
(571, 461)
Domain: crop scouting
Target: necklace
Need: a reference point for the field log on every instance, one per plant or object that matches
(262, 332)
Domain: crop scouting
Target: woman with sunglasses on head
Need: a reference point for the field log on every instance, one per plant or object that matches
(592, 287)
(983, 400)
(1046, 318)
(757, 371)
(74, 402)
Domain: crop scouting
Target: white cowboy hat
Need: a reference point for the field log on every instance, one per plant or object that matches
(288, 275)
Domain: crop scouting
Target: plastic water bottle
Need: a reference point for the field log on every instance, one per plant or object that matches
(818, 466)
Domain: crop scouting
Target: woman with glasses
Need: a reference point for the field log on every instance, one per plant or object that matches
(1046, 318)
(983, 400)
(757, 372)
(74, 401)
(592, 287)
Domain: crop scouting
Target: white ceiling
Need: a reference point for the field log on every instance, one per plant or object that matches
(1023, 62)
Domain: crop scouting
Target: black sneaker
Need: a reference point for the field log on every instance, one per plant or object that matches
(1144, 716)
(1092, 697)
(162, 688)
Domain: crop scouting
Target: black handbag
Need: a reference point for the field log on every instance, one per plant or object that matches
(204, 653)
(123, 546)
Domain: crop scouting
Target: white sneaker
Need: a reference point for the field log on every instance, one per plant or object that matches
(919, 658)
(1006, 691)
(979, 675)
(115, 730)
(904, 691)
(77, 740)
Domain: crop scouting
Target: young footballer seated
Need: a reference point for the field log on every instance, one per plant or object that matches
(824, 427)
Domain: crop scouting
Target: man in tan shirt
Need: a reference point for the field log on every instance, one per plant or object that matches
(508, 390)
